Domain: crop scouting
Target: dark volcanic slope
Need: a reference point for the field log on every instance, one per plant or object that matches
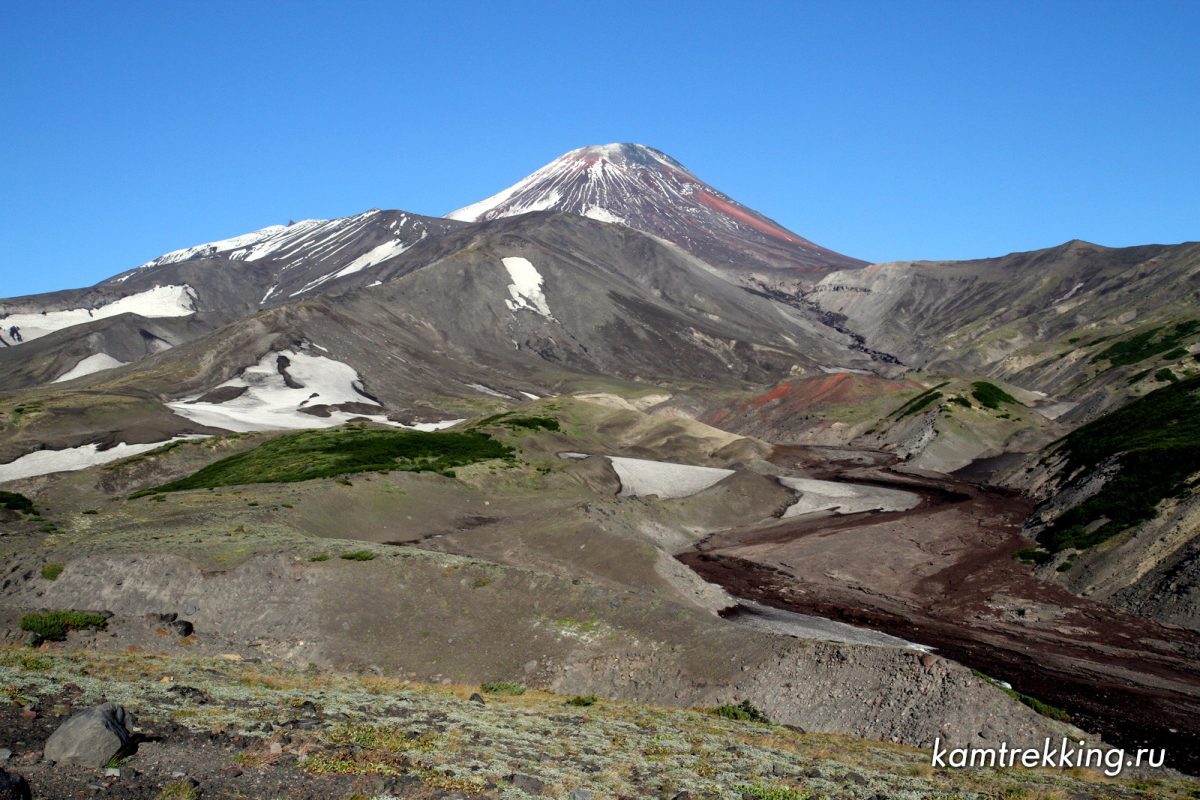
(638, 186)
(537, 304)
(1040, 318)
(186, 293)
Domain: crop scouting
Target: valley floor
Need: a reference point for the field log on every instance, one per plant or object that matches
(944, 575)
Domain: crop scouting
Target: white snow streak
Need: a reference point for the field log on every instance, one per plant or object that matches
(93, 363)
(161, 301)
(1069, 294)
(526, 287)
(44, 462)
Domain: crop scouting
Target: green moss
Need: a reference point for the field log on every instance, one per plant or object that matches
(340, 451)
(320, 557)
(1165, 375)
(761, 792)
(51, 571)
(1034, 555)
(53, 625)
(915, 404)
(1155, 441)
(920, 404)
(991, 396)
(16, 502)
(358, 555)
(582, 700)
(1147, 343)
(533, 423)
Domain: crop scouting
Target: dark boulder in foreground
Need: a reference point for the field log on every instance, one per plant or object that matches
(92, 738)
(13, 787)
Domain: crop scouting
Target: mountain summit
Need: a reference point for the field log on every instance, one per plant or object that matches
(645, 189)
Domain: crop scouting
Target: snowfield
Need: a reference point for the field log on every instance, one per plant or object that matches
(93, 363)
(845, 498)
(526, 287)
(804, 626)
(663, 478)
(161, 301)
(269, 403)
(44, 462)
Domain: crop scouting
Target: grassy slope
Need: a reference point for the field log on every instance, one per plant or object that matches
(1156, 441)
(385, 727)
(339, 451)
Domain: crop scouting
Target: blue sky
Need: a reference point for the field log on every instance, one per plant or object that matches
(885, 130)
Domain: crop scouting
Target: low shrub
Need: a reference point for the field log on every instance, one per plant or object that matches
(16, 502)
(743, 711)
(990, 395)
(502, 687)
(358, 555)
(51, 571)
(53, 625)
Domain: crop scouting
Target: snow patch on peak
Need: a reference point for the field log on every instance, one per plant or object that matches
(526, 287)
(603, 215)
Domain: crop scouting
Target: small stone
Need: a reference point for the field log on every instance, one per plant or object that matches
(526, 783)
(182, 627)
(579, 794)
(5, 754)
(33, 639)
(476, 697)
(112, 772)
(276, 748)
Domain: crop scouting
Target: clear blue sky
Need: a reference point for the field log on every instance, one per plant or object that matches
(885, 130)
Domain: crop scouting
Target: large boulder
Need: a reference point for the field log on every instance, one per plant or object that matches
(92, 738)
(13, 787)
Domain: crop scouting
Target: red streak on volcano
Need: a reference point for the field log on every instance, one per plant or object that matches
(717, 204)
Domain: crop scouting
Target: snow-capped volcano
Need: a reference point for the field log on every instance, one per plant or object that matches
(645, 189)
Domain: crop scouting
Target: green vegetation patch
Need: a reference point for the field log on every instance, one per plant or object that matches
(502, 687)
(761, 792)
(358, 555)
(51, 571)
(991, 396)
(920, 401)
(1166, 376)
(1156, 442)
(331, 452)
(16, 502)
(1045, 709)
(743, 711)
(532, 423)
(53, 625)
(1148, 343)
(1034, 555)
